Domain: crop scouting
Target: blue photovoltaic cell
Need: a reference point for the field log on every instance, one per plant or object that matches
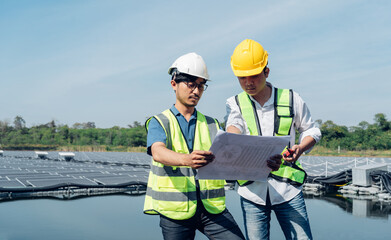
(11, 184)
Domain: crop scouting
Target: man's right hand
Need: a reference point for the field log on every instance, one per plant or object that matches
(198, 158)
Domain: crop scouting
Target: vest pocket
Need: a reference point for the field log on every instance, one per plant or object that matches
(172, 194)
(168, 206)
(213, 184)
(174, 183)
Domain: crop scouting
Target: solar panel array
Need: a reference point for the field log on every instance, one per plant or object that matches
(23, 172)
(326, 166)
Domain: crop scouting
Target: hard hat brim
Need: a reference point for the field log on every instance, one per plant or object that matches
(246, 73)
(171, 69)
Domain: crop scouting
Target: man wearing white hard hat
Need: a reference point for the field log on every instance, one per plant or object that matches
(179, 139)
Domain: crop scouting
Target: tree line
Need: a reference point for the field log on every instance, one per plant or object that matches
(51, 135)
(365, 136)
(16, 135)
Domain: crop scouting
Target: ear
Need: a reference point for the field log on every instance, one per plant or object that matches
(267, 71)
(174, 85)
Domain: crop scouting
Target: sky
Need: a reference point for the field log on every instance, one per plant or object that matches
(106, 61)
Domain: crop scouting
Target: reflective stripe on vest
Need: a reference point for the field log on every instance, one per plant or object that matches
(283, 111)
(172, 189)
(283, 118)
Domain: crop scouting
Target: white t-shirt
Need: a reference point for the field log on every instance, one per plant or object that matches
(279, 192)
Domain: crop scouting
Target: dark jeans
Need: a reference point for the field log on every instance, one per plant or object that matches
(214, 226)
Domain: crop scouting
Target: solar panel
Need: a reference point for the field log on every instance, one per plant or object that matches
(64, 181)
(11, 184)
(115, 180)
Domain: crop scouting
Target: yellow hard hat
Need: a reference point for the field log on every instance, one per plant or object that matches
(249, 58)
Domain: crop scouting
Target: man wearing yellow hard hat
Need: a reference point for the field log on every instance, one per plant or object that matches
(262, 109)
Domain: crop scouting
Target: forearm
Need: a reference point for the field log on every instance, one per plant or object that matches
(166, 156)
(307, 143)
(233, 129)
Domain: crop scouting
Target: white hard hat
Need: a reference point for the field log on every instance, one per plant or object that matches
(191, 64)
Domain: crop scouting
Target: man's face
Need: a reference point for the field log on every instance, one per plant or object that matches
(189, 93)
(253, 85)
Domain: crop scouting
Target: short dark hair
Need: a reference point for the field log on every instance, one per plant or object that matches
(182, 77)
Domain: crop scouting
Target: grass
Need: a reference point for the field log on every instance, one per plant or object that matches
(72, 148)
(101, 148)
(322, 151)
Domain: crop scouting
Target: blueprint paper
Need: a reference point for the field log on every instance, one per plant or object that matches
(242, 157)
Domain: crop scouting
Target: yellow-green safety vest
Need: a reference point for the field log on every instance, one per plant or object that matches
(171, 190)
(283, 118)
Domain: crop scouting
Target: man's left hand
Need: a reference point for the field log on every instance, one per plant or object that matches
(274, 162)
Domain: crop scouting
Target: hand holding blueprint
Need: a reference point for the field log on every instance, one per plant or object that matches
(242, 157)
